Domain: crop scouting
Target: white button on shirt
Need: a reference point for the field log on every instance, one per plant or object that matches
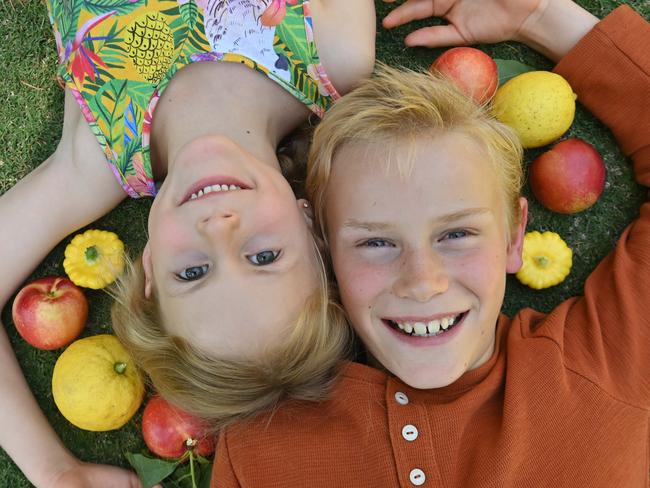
(401, 398)
(417, 477)
(410, 432)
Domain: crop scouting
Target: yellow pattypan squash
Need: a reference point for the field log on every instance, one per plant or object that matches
(94, 259)
(547, 260)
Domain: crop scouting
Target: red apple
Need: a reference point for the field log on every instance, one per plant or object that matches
(170, 432)
(50, 312)
(569, 177)
(473, 71)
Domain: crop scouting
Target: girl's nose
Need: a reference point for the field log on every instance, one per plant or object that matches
(422, 275)
(219, 224)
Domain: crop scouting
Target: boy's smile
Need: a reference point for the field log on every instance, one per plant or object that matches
(421, 258)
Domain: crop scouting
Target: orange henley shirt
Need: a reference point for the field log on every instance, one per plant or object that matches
(563, 402)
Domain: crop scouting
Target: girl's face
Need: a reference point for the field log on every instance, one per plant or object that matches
(229, 255)
(421, 260)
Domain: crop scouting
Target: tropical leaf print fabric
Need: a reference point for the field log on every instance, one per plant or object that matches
(117, 57)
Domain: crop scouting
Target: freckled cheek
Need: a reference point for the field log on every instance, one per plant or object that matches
(360, 283)
(482, 270)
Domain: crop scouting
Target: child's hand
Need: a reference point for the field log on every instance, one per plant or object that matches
(85, 475)
(469, 21)
(551, 27)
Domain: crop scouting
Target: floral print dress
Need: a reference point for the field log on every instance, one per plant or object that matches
(117, 56)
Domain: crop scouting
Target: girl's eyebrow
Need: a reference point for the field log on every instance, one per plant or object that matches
(352, 223)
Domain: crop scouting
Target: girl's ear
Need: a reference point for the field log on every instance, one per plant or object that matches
(307, 211)
(147, 265)
(514, 261)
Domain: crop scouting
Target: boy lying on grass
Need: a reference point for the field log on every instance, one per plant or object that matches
(417, 193)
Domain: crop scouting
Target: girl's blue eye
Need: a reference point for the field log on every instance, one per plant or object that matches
(456, 234)
(263, 258)
(193, 272)
(376, 243)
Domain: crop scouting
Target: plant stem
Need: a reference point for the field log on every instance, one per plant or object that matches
(192, 470)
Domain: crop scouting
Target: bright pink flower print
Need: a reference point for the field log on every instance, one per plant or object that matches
(275, 12)
(140, 182)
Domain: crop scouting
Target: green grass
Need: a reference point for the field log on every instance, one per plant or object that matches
(31, 112)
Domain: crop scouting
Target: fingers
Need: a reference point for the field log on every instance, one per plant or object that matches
(436, 36)
(408, 11)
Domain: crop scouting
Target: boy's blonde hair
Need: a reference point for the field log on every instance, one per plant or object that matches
(222, 391)
(399, 106)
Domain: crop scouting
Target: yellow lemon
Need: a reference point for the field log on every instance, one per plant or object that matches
(96, 385)
(539, 105)
(547, 260)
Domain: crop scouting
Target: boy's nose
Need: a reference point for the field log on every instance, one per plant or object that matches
(422, 276)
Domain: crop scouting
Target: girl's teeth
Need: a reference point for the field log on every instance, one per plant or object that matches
(433, 326)
(408, 328)
(419, 328)
(214, 188)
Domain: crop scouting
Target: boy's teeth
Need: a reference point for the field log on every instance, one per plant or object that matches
(422, 329)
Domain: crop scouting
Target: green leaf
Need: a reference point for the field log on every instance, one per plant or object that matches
(67, 18)
(205, 475)
(99, 7)
(189, 13)
(509, 68)
(151, 470)
(291, 31)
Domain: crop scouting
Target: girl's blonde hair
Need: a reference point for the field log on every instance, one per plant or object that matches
(222, 391)
(400, 106)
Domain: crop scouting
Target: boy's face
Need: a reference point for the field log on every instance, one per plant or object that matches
(421, 260)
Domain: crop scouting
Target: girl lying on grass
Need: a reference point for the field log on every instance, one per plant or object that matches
(417, 193)
(187, 101)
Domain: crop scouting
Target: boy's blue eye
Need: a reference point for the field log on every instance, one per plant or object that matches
(263, 258)
(193, 272)
(376, 243)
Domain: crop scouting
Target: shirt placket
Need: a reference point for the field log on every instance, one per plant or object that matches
(411, 439)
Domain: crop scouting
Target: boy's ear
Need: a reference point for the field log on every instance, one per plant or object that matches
(513, 261)
(307, 211)
(147, 265)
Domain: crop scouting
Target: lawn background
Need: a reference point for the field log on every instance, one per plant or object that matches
(31, 115)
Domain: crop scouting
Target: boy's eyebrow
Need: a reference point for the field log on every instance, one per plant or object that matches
(444, 219)
(461, 214)
(369, 226)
